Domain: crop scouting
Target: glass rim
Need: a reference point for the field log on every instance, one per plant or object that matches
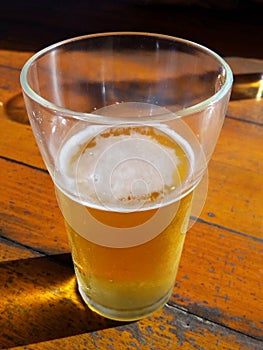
(98, 118)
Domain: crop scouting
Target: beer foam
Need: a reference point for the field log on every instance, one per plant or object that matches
(124, 167)
(119, 170)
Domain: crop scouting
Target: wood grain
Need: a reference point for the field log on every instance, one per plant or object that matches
(235, 146)
(212, 249)
(41, 304)
(217, 300)
(169, 329)
(237, 208)
(29, 211)
(225, 276)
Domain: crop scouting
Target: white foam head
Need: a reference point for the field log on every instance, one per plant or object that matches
(106, 168)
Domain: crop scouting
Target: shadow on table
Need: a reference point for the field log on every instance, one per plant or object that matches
(40, 302)
(15, 109)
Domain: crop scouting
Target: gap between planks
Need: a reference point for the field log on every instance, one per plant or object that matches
(175, 307)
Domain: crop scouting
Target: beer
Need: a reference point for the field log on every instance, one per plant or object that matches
(124, 196)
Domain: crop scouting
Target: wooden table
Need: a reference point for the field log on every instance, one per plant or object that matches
(217, 301)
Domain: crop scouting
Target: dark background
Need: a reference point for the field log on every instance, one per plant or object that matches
(230, 27)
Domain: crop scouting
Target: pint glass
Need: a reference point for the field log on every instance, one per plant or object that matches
(126, 123)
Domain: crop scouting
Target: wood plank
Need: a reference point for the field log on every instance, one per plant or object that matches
(240, 145)
(29, 212)
(40, 304)
(18, 143)
(221, 278)
(234, 199)
(10, 82)
(11, 104)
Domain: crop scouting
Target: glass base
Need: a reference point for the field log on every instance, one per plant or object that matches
(124, 315)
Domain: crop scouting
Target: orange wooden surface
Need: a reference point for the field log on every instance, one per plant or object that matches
(217, 300)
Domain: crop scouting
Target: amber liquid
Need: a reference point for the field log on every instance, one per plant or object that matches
(130, 282)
